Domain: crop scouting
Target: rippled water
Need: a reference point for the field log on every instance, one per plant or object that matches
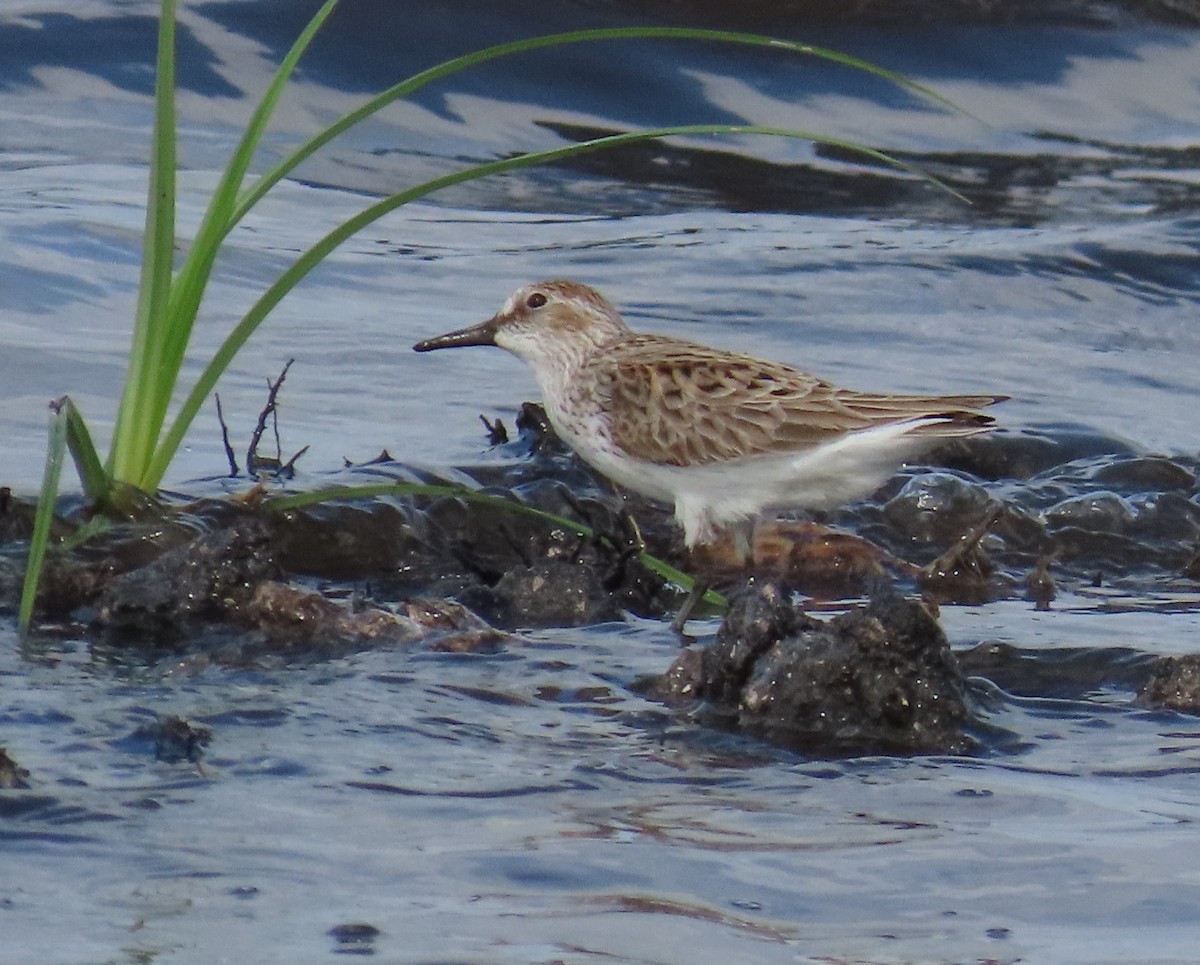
(530, 806)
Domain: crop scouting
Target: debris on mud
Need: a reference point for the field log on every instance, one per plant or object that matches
(1040, 588)
(879, 678)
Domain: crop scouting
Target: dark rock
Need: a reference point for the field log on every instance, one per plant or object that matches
(356, 936)
(1154, 473)
(1169, 516)
(877, 679)
(778, 16)
(1104, 552)
(553, 593)
(1174, 684)
(936, 507)
(757, 618)
(1023, 454)
(345, 541)
(213, 577)
(292, 618)
(68, 583)
(1102, 512)
(524, 570)
(16, 517)
(1191, 569)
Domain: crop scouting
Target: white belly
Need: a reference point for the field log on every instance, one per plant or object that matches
(709, 496)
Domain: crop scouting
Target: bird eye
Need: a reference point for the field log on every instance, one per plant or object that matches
(536, 300)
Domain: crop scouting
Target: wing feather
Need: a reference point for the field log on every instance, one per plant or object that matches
(684, 404)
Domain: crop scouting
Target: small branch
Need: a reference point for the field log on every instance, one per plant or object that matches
(497, 433)
(252, 459)
(288, 469)
(234, 471)
(275, 430)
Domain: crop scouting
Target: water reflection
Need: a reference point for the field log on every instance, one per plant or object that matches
(33, 41)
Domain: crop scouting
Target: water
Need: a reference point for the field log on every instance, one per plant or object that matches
(530, 806)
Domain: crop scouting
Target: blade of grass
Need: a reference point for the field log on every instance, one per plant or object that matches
(457, 64)
(281, 504)
(134, 434)
(188, 289)
(39, 542)
(97, 483)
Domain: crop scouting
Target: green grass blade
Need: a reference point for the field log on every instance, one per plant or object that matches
(97, 483)
(281, 170)
(193, 277)
(233, 343)
(40, 540)
(281, 504)
(134, 435)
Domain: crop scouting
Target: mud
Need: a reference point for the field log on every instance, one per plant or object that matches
(1173, 684)
(192, 584)
(210, 579)
(879, 678)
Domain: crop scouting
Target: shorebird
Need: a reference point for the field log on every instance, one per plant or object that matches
(723, 437)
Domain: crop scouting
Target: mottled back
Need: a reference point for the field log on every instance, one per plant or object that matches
(683, 404)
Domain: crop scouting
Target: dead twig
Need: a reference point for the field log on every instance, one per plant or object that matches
(253, 462)
(234, 471)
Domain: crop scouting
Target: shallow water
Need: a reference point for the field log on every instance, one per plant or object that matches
(530, 806)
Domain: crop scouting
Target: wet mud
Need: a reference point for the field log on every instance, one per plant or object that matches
(879, 678)
(217, 582)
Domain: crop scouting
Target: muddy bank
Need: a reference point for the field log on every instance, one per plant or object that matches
(1013, 516)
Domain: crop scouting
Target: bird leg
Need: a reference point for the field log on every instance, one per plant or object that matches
(709, 560)
(699, 588)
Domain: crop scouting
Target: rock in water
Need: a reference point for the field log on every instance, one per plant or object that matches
(212, 577)
(879, 679)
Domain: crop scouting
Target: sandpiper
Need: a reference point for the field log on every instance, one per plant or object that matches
(724, 437)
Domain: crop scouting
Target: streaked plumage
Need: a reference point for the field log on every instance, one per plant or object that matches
(722, 436)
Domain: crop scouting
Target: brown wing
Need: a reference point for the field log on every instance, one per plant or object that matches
(684, 404)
